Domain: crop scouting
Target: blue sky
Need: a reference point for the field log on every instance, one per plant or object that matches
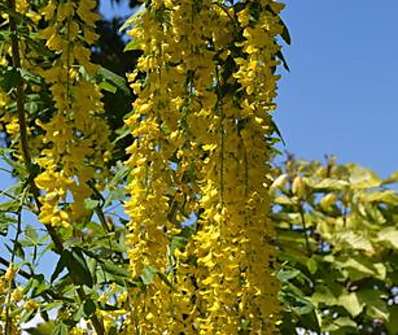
(340, 96)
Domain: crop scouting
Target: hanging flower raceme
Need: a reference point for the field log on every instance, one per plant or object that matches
(205, 84)
(155, 125)
(8, 116)
(76, 137)
(256, 76)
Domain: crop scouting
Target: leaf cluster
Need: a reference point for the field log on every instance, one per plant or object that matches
(338, 244)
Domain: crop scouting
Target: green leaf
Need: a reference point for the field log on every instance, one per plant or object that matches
(312, 265)
(60, 329)
(285, 275)
(148, 274)
(361, 178)
(76, 265)
(324, 295)
(10, 206)
(387, 197)
(80, 268)
(39, 285)
(9, 78)
(89, 308)
(114, 79)
(284, 201)
(341, 326)
(125, 131)
(389, 235)
(5, 222)
(31, 77)
(31, 234)
(19, 250)
(392, 322)
(359, 268)
(46, 328)
(355, 241)
(177, 242)
(285, 33)
(132, 45)
(91, 204)
(274, 125)
(376, 307)
(327, 184)
(310, 321)
(130, 21)
(79, 314)
(108, 87)
(282, 58)
(351, 303)
(61, 265)
(36, 43)
(115, 270)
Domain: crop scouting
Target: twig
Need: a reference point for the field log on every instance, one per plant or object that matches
(13, 254)
(304, 223)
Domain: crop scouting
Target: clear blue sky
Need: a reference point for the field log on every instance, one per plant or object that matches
(341, 95)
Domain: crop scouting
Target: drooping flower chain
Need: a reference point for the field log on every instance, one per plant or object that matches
(205, 87)
(77, 134)
(9, 118)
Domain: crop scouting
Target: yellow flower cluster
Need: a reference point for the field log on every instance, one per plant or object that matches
(76, 138)
(155, 120)
(206, 85)
(10, 296)
(8, 119)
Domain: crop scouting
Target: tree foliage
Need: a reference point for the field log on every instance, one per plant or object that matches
(337, 236)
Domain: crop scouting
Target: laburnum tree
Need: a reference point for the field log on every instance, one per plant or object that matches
(142, 198)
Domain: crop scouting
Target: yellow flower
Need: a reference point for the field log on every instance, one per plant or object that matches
(31, 305)
(10, 273)
(201, 149)
(76, 137)
(49, 10)
(17, 294)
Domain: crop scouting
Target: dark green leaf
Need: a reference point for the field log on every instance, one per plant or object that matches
(61, 265)
(114, 79)
(108, 87)
(89, 308)
(285, 33)
(77, 266)
(9, 78)
(115, 270)
(282, 58)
